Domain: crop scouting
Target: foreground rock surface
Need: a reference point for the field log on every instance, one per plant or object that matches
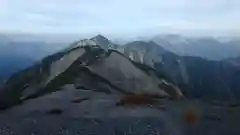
(98, 114)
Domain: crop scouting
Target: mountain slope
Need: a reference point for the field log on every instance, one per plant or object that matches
(156, 57)
(86, 66)
(198, 78)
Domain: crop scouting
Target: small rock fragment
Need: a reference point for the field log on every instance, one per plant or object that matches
(55, 111)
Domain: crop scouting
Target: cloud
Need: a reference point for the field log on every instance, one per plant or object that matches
(118, 16)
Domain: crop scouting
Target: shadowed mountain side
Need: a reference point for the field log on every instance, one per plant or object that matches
(197, 77)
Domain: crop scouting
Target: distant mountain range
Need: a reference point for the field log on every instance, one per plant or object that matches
(16, 54)
(205, 47)
(18, 51)
(139, 67)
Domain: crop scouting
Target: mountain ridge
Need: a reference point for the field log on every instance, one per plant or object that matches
(109, 70)
(206, 47)
(138, 67)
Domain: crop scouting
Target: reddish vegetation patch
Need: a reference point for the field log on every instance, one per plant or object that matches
(79, 100)
(191, 116)
(136, 100)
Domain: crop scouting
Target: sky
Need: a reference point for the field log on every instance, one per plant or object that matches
(120, 16)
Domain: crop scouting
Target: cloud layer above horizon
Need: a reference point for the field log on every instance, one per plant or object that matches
(119, 16)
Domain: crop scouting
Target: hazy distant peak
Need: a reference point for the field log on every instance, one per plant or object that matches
(153, 43)
(100, 38)
(138, 42)
(173, 36)
(143, 44)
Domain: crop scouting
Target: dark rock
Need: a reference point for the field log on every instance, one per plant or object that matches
(136, 100)
(55, 111)
(79, 100)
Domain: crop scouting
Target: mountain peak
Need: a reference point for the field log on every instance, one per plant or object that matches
(152, 43)
(100, 37)
(101, 41)
(146, 44)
